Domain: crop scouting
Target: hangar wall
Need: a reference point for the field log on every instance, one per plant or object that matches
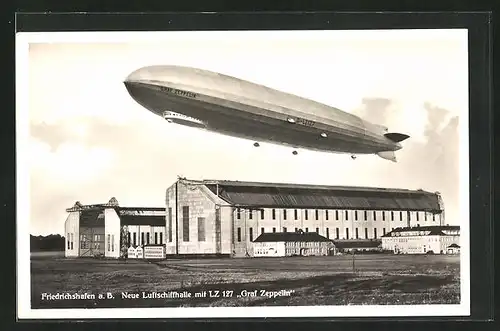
(72, 234)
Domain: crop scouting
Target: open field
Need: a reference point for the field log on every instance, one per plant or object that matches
(329, 280)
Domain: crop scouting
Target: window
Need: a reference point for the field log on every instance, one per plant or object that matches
(169, 225)
(366, 233)
(262, 214)
(408, 215)
(147, 238)
(261, 230)
(109, 242)
(185, 223)
(135, 238)
(383, 230)
(383, 215)
(374, 215)
(112, 242)
(161, 238)
(142, 239)
(274, 214)
(274, 230)
(400, 216)
(347, 233)
(238, 213)
(355, 215)
(201, 228)
(156, 238)
(307, 229)
(72, 240)
(417, 216)
(366, 215)
(346, 215)
(296, 214)
(433, 217)
(305, 214)
(284, 214)
(392, 216)
(284, 229)
(357, 235)
(336, 215)
(375, 233)
(337, 233)
(317, 230)
(326, 214)
(317, 214)
(239, 234)
(128, 239)
(68, 239)
(251, 233)
(296, 229)
(425, 216)
(327, 233)
(250, 214)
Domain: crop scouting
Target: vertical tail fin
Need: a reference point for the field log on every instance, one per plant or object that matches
(388, 155)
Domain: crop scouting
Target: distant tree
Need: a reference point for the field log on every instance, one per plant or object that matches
(52, 242)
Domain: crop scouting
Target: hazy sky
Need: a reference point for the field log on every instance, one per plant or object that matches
(89, 140)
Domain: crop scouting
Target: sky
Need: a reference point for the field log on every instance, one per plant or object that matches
(90, 141)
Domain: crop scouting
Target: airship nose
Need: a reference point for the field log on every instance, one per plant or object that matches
(137, 76)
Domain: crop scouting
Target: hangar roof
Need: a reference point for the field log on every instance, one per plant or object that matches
(253, 194)
(291, 236)
(432, 230)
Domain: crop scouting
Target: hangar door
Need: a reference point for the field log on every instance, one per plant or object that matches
(92, 233)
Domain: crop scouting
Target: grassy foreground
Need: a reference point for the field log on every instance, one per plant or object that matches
(377, 280)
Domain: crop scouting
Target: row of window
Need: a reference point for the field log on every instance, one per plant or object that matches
(132, 238)
(327, 232)
(337, 212)
(70, 240)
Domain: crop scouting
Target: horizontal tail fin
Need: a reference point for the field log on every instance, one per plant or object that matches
(388, 155)
(396, 137)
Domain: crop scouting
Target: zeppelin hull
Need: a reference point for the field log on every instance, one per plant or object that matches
(242, 109)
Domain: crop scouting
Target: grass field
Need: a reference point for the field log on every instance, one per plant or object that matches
(378, 279)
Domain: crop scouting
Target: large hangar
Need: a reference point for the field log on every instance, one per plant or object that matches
(108, 229)
(218, 217)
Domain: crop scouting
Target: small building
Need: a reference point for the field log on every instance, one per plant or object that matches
(422, 240)
(108, 230)
(358, 246)
(292, 244)
(453, 249)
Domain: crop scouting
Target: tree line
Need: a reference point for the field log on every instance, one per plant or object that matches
(52, 242)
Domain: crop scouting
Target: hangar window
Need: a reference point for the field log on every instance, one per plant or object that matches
(161, 238)
(306, 215)
(261, 230)
(400, 216)
(347, 233)
(169, 225)
(185, 223)
(317, 230)
(142, 239)
(317, 214)
(201, 228)
(326, 214)
(251, 233)
(250, 214)
(392, 216)
(274, 214)
(366, 215)
(239, 234)
(383, 231)
(327, 233)
(417, 216)
(425, 216)
(433, 217)
(366, 233)
(109, 242)
(296, 214)
(336, 215)
(68, 238)
(156, 238)
(337, 233)
(284, 214)
(72, 240)
(357, 235)
(238, 213)
(128, 239)
(383, 215)
(284, 229)
(274, 230)
(408, 215)
(375, 233)
(262, 214)
(112, 242)
(355, 215)
(135, 239)
(374, 215)
(307, 229)
(147, 238)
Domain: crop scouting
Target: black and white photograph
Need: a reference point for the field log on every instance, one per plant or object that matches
(188, 174)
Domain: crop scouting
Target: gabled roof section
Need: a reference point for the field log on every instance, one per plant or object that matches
(432, 230)
(281, 195)
(291, 237)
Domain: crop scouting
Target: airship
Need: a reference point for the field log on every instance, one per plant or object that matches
(239, 108)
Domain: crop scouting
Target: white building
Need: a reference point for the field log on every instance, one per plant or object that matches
(108, 230)
(423, 240)
(214, 217)
(292, 244)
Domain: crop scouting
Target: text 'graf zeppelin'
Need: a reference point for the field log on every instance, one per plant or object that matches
(178, 92)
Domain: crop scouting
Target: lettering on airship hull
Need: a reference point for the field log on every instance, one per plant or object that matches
(178, 92)
(305, 122)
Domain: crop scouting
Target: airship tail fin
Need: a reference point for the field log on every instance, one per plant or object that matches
(396, 137)
(388, 155)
